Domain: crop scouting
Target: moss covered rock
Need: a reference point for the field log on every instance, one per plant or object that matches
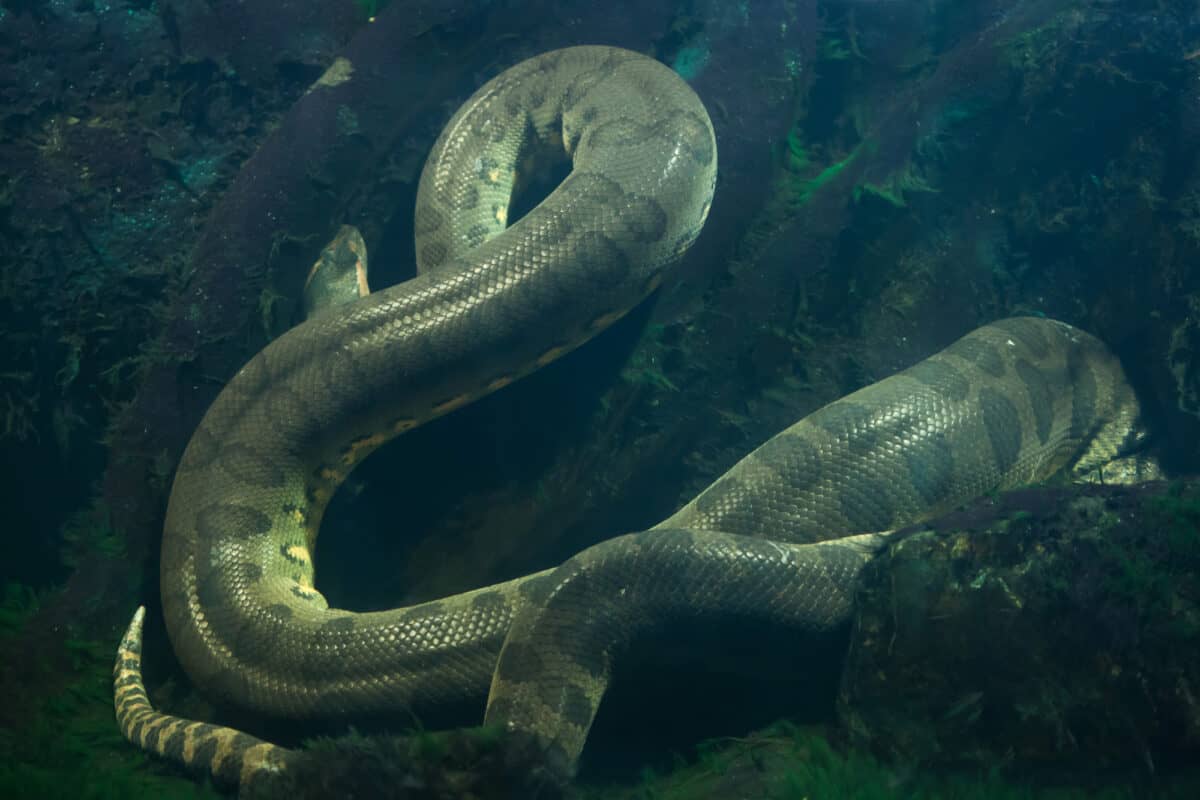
(1055, 626)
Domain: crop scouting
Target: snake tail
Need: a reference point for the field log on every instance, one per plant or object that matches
(480, 762)
(230, 757)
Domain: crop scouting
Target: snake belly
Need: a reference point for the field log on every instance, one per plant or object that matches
(782, 536)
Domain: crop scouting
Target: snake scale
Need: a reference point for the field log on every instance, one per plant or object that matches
(781, 537)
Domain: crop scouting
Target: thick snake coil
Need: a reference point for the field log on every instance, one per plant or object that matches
(781, 537)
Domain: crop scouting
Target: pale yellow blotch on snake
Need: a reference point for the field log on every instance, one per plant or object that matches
(1011, 403)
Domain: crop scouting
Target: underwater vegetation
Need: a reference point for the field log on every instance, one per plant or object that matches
(784, 761)
(66, 746)
(793, 762)
(1056, 627)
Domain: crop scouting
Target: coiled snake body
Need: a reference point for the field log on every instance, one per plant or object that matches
(1010, 403)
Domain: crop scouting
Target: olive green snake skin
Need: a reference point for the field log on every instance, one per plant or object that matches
(781, 537)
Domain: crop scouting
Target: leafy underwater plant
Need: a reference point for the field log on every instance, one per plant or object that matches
(69, 746)
(786, 761)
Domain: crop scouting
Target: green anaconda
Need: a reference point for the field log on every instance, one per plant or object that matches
(781, 537)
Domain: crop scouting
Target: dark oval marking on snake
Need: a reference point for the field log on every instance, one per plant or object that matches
(1037, 387)
(227, 520)
(592, 660)
(280, 611)
(674, 539)
(285, 408)
(719, 497)
(849, 423)
(433, 255)
(1083, 399)
(338, 375)
(514, 106)
(537, 97)
(424, 611)
(536, 590)
(338, 625)
(251, 467)
(980, 353)
(867, 507)
(594, 188)
(477, 235)
(428, 219)
(646, 219)
(490, 603)
(1003, 426)
(1029, 336)
(618, 134)
(931, 468)
(579, 88)
(699, 147)
(210, 592)
(518, 661)
(796, 463)
(465, 199)
(201, 451)
(556, 230)
(576, 707)
(607, 265)
(942, 377)
(254, 378)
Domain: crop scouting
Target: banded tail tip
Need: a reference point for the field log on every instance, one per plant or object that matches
(132, 640)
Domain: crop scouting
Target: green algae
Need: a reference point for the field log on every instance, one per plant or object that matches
(791, 762)
(69, 745)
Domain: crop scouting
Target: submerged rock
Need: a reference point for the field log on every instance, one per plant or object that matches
(1054, 627)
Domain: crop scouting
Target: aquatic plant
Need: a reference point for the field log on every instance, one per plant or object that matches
(17, 604)
(1135, 578)
(69, 748)
(89, 534)
(787, 761)
(480, 763)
